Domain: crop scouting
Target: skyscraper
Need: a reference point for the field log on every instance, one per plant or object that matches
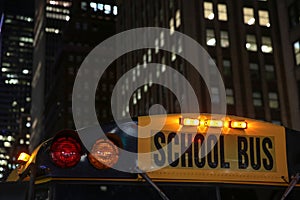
(65, 32)
(16, 29)
(246, 40)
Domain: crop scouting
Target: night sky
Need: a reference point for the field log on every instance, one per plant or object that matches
(23, 6)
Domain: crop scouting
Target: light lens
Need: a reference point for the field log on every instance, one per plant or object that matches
(65, 152)
(214, 123)
(238, 124)
(104, 154)
(189, 121)
(23, 157)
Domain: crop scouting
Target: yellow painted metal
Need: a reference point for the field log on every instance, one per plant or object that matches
(265, 151)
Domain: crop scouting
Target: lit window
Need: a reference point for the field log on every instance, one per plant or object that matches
(173, 57)
(60, 3)
(149, 55)
(297, 52)
(172, 28)
(7, 21)
(224, 39)
(58, 16)
(21, 141)
(179, 45)
(156, 42)
(257, 100)
(208, 11)
(264, 18)
(177, 18)
(251, 43)
(222, 12)
(266, 46)
(210, 37)
(162, 39)
(52, 30)
(58, 10)
(273, 100)
(107, 9)
(100, 6)
(229, 96)
(25, 71)
(115, 10)
(270, 72)
(7, 144)
(249, 16)
(4, 69)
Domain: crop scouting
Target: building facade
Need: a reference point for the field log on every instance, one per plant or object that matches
(245, 40)
(65, 32)
(16, 38)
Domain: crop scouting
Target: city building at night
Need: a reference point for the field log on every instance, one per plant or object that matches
(65, 32)
(16, 39)
(247, 40)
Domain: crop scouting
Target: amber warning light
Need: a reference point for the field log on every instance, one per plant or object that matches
(23, 157)
(214, 123)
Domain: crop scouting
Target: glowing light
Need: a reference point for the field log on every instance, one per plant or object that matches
(189, 122)
(214, 123)
(251, 21)
(28, 124)
(24, 157)
(211, 16)
(211, 42)
(238, 124)
(25, 71)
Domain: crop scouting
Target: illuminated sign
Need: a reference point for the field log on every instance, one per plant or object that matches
(253, 155)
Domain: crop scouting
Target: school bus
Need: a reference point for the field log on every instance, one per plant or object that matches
(175, 156)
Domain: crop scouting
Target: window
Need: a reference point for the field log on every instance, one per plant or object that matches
(208, 11)
(249, 16)
(83, 6)
(222, 12)
(172, 28)
(270, 72)
(257, 100)
(264, 18)
(210, 37)
(273, 100)
(224, 39)
(215, 98)
(254, 71)
(251, 43)
(297, 52)
(227, 67)
(294, 13)
(177, 18)
(266, 46)
(229, 96)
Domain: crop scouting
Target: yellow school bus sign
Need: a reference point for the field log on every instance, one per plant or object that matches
(253, 152)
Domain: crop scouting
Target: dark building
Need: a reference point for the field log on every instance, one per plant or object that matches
(16, 39)
(65, 32)
(289, 22)
(246, 40)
